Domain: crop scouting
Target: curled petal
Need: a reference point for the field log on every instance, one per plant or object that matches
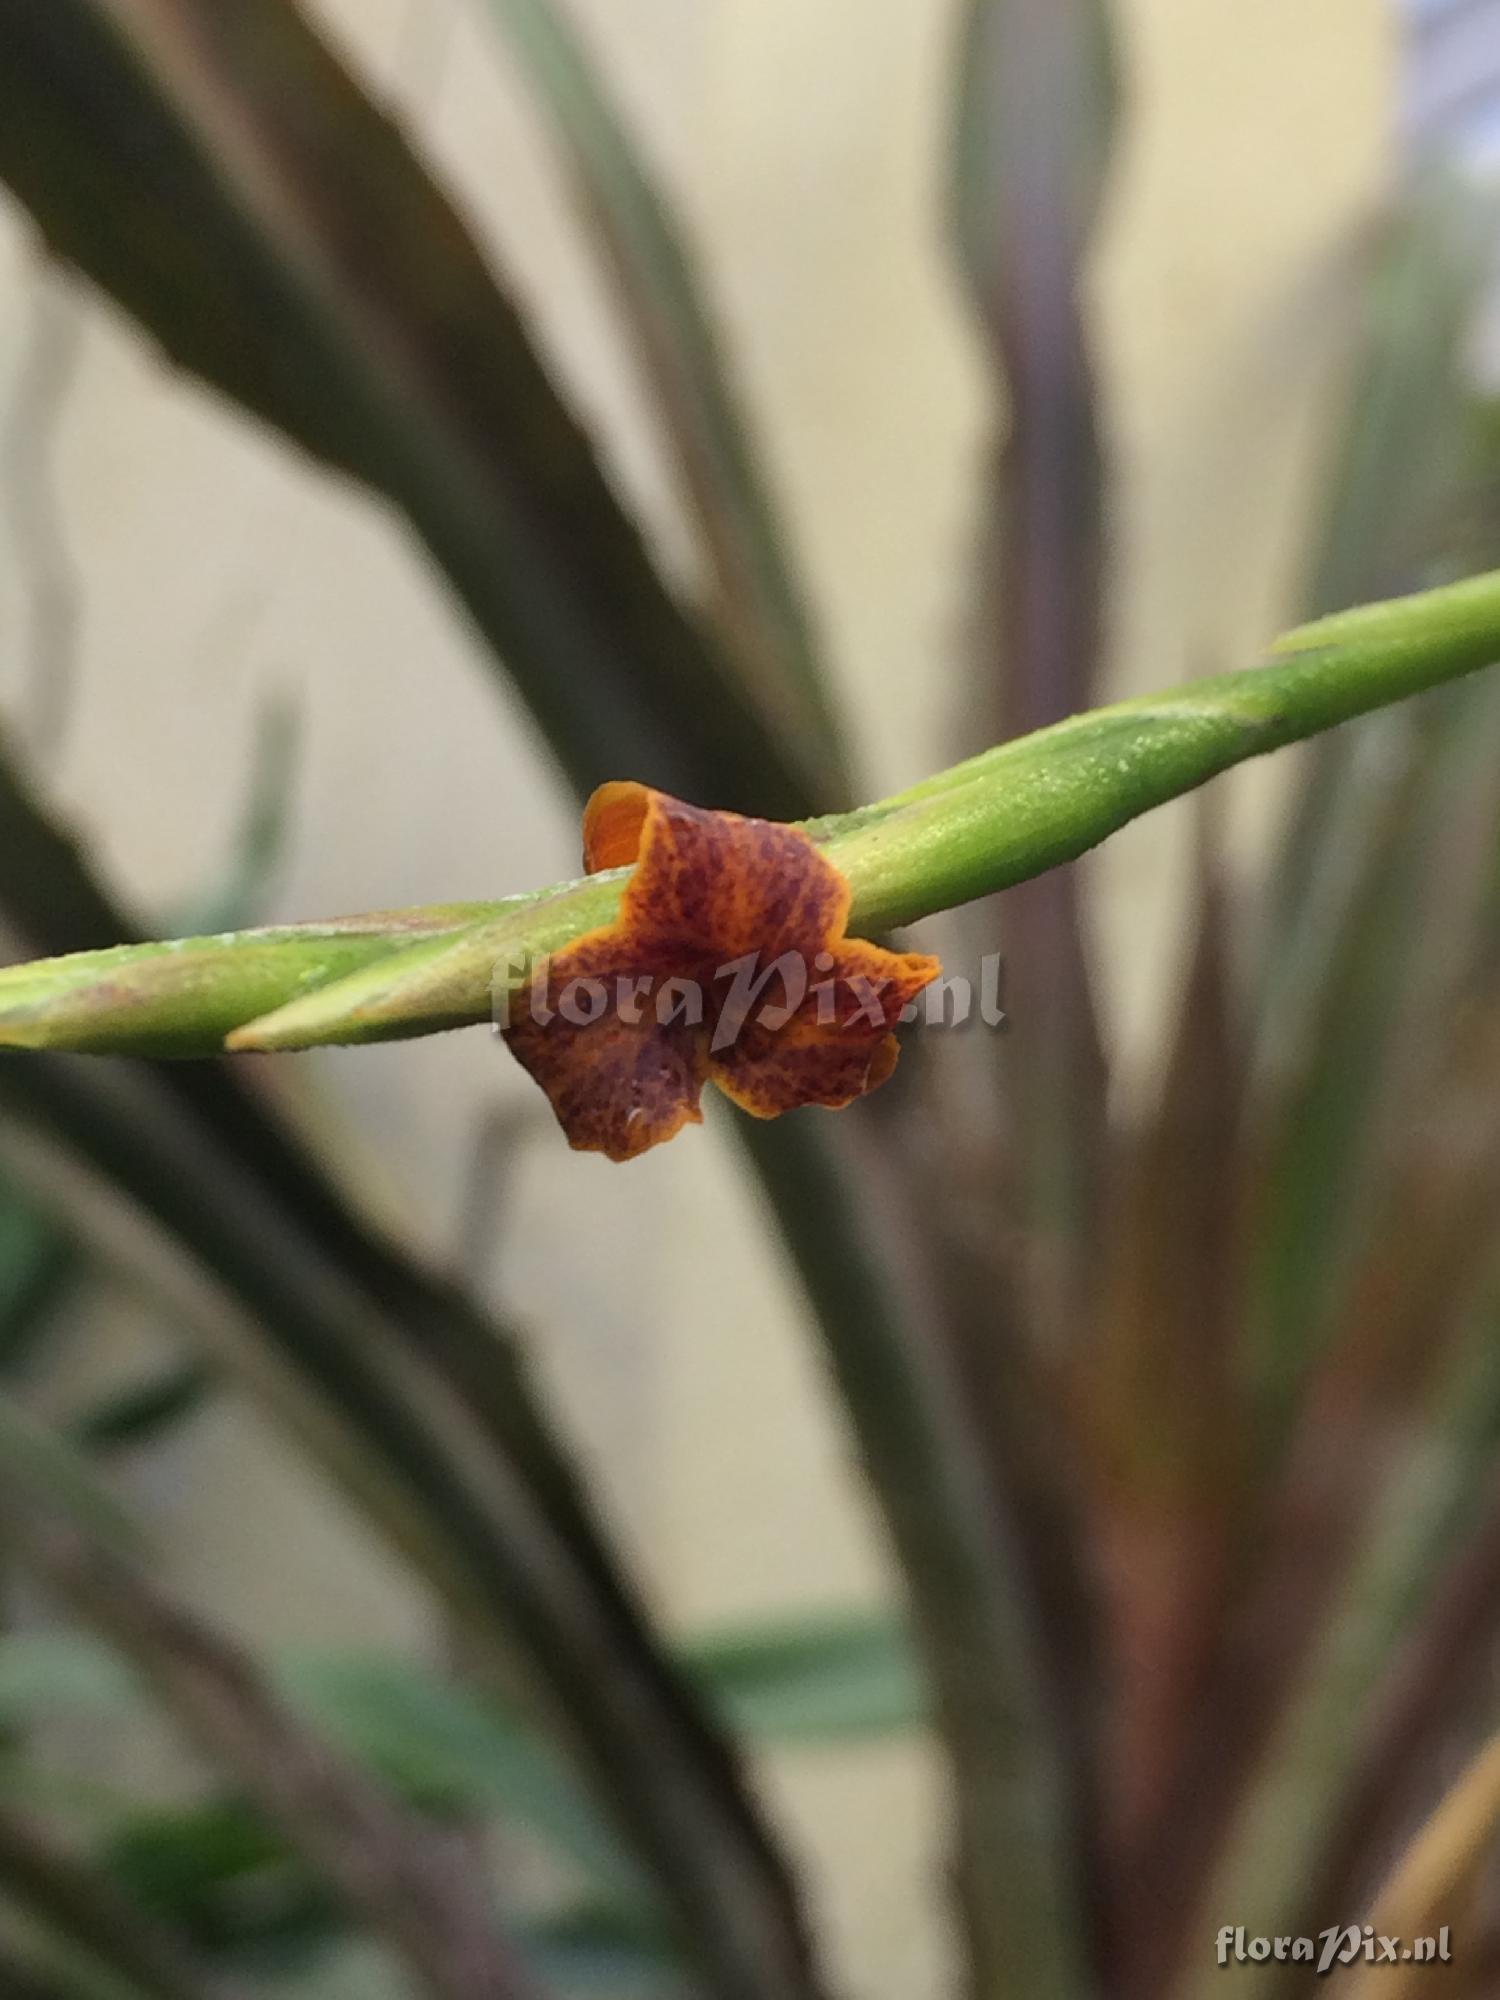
(837, 1045)
(727, 960)
(622, 1060)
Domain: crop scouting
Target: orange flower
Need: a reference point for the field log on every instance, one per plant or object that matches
(727, 963)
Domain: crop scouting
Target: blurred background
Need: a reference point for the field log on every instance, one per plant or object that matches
(218, 656)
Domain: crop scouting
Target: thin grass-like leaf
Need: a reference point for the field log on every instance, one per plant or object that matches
(222, 176)
(410, 1394)
(1439, 1676)
(1431, 1888)
(972, 1599)
(40, 1266)
(1335, 1108)
(1297, 1853)
(88, 1915)
(759, 602)
(431, 1436)
(1165, 1412)
(1361, 1416)
(1034, 126)
(130, 1417)
(823, 1678)
(1380, 524)
(413, 1892)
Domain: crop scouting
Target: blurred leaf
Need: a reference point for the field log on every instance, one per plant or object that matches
(217, 1872)
(40, 1267)
(1294, 1849)
(759, 600)
(1439, 1674)
(1276, 1714)
(435, 1741)
(47, 1463)
(85, 1911)
(409, 1395)
(974, 1605)
(1337, 1102)
(1432, 1885)
(136, 1414)
(825, 1677)
(1384, 520)
(1034, 128)
(427, 1901)
(830, 1678)
(497, 1542)
(220, 173)
(43, 1672)
(586, 1949)
(1165, 1415)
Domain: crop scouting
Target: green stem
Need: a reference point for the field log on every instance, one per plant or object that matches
(984, 825)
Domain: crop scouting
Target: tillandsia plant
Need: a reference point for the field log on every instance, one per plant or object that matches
(717, 904)
(1180, 1414)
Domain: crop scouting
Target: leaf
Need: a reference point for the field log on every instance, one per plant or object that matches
(43, 1672)
(436, 1742)
(1165, 1417)
(83, 1910)
(1033, 133)
(133, 1415)
(1432, 1885)
(1337, 1097)
(219, 173)
(819, 1678)
(218, 1872)
(425, 1899)
(48, 1464)
(39, 1269)
(426, 1418)
(1379, 525)
(412, 1397)
(758, 600)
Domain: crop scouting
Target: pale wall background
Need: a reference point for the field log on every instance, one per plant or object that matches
(805, 140)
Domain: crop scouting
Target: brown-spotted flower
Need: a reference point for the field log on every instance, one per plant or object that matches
(727, 963)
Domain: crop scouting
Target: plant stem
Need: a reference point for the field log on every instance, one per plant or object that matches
(998, 819)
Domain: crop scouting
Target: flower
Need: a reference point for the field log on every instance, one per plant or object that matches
(728, 963)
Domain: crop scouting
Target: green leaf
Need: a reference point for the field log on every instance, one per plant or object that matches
(828, 1677)
(133, 1415)
(48, 1464)
(1383, 520)
(435, 1741)
(45, 1672)
(220, 173)
(1033, 135)
(39, 1268)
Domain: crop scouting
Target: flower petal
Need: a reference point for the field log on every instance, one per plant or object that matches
(713, 885)
(621, 1073)
(717, 904)
(837, 1046)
